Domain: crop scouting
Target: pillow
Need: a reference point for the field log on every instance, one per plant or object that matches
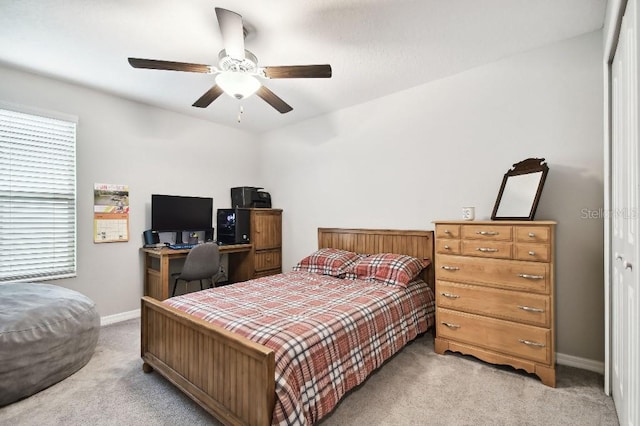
(388, 268)
(328, 261)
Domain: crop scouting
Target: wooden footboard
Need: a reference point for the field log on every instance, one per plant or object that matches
(230, 376)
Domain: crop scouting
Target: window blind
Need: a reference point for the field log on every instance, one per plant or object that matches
(37, 197)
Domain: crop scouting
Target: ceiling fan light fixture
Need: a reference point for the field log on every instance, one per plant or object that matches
(238, 85)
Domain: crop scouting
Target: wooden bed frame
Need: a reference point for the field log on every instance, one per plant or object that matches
(230, 376)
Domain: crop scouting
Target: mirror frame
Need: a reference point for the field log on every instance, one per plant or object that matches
(530, 165)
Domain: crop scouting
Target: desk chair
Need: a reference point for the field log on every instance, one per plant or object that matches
(202, 263)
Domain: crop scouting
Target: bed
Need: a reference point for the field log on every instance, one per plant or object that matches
(232, 376)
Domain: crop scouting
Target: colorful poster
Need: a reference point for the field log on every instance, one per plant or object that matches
(110, 213)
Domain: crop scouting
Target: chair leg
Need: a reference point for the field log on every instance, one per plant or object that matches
(175, 285)
(201, 288)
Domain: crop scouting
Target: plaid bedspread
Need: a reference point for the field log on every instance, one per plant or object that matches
(328, 334)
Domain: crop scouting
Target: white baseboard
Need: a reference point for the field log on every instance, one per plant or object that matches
(123, 316)
(583, 363)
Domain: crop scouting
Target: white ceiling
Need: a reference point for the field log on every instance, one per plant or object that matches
(375, 47)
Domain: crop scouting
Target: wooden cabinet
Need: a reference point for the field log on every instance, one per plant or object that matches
(266, 239)
(495, 293)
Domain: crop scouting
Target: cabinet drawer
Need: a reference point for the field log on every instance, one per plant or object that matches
(510, 274)
(533, 234)
(447, 231)
(526, 341)
(533, 252)
(487, 232)
(516, 306)
(266, 229)
(267, 259)
(448, 246)
(495, 249)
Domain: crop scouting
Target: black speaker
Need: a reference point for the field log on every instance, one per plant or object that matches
(208, 235)
(151, 237)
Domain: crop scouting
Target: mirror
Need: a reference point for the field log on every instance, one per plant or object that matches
(520, 191)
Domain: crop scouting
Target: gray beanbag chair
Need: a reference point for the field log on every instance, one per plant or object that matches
(47, 333)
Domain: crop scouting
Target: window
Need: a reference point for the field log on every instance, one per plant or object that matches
(37, 197)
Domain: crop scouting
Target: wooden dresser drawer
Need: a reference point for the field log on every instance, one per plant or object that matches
(527, 308)
(533, 252)
(267, 259)
(494, 249)
(487, 232)
(525, 341)
(501, 273)
(533, 234)
(447, 231)
(448, 246)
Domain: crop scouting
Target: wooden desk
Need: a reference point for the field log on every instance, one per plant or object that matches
(156, 267)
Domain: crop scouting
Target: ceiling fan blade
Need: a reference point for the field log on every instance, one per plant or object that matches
(209, 96)
(298, 71)
(169, 65)
(232, 33)
(273, 100)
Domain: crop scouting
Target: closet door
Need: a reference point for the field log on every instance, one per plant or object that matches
(625, 265)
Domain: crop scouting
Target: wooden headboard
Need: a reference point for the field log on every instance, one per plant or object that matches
(418, 244)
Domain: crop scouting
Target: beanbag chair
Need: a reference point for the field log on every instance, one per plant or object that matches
(47, 333)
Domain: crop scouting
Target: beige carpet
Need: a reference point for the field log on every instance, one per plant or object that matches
(416, 387)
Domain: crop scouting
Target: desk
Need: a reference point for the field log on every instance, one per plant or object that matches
(156, 267)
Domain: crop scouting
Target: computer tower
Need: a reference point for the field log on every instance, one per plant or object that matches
(233, 226)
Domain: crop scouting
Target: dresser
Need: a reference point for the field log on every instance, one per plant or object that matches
(495, 293)
(265, 235)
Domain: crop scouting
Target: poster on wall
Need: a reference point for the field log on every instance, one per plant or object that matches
(110, 213)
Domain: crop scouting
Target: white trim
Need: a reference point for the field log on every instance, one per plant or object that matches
(612, 23)
(123, 316)
(578, 362)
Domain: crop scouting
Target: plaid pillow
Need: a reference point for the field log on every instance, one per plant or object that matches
(388, 268)
(327, 261)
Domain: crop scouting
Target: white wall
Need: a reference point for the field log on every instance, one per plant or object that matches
(149, 149)
(419, 155)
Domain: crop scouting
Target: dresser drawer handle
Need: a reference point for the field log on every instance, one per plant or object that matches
(446, 247)
(531, 277)
(530, 343)
(446, 231)
(450, 268)
(530, 309)
(449, 295)
(450, 325)
(487, 233)
(532, 234)
(532, 253)
(487, 249)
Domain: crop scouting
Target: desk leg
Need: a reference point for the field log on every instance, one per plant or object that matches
(154, 286)
(164, 277)
(147, 266)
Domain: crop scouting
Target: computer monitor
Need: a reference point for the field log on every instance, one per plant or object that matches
(173, 213)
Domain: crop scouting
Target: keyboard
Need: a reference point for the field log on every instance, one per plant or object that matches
(181, 246)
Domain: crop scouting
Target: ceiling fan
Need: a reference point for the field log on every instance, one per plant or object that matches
(237, 73)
